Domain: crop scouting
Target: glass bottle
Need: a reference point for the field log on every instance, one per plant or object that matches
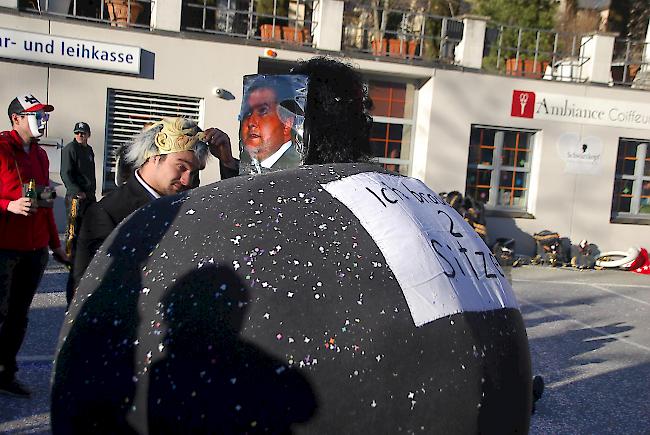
(31, 192)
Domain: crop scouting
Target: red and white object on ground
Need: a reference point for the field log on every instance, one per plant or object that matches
(642, 263)
(618, 259)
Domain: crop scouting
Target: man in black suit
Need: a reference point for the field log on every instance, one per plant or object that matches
(168, 156)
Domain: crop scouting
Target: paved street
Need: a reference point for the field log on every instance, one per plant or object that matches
(589, 335)
(35, 358)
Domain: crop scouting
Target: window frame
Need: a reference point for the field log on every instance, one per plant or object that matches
(497, 168)
(642, 154)
(410, 121)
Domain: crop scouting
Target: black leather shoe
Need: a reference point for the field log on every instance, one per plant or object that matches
(14, 388)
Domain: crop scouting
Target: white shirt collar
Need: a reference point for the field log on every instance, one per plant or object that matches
(270, 160)
(145, 185)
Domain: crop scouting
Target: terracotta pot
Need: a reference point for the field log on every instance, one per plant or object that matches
(534, 71)
(397, 47)
(513, 67)
(118, 11)
(411, 48)
(293, 35)
(269, 32)
(379, 47)
(526, 68)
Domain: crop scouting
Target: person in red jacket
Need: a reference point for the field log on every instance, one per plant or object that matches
(26, 230)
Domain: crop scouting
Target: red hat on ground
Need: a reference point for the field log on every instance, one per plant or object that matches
(642, 263)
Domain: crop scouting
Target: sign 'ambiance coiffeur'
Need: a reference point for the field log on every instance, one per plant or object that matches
(582, 110)
(54, 50)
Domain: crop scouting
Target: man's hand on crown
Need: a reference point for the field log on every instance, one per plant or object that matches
(219, 144)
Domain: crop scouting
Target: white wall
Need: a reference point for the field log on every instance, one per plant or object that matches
(576, 206)
(449, 102)
(183, 66)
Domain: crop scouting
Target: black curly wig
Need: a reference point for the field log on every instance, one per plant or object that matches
(337, 123)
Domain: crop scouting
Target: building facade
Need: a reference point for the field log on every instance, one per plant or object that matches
(565, 155)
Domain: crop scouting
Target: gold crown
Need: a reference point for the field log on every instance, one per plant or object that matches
(177, 134)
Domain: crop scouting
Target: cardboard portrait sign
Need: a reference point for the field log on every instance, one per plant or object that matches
(272, 121)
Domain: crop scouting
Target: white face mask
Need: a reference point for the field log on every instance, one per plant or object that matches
(37, 124)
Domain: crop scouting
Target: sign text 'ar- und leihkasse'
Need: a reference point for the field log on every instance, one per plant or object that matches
(36, 47)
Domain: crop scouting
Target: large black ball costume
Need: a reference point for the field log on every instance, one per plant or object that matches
(263, 305)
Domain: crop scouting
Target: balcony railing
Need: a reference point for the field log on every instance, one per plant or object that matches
(119, 13)
(630, 57)
(369, 30)
(273, 21)
(533, 53)
(400, 34)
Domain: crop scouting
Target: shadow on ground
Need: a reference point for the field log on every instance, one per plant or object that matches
(587, 391)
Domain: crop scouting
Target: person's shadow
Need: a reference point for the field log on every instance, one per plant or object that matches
(171, 361)
(209, 379)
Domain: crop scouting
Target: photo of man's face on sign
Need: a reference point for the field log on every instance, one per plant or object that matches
(271, 123)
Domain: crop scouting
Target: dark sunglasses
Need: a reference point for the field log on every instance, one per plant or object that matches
(40, 116)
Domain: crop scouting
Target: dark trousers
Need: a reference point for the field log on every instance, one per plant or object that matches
(82, 206)
(20, 274)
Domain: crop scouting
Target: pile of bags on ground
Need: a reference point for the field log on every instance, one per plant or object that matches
(551, 249)
(553, 252)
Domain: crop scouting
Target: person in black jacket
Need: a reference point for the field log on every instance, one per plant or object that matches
(78, 175)
(78, 166)
(167, 156)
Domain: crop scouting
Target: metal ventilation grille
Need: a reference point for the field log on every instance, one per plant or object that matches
(130, 111)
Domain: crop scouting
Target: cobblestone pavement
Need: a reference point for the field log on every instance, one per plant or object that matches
(589, 336)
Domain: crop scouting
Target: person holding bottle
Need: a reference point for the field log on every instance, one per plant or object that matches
(26, 230)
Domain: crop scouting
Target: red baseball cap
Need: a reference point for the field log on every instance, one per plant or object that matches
(27, 103)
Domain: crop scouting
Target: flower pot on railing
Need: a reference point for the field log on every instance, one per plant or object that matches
(397, 47)
(411, 48)
(526, 68)
(293, 35)
(534, 70)
(402, 48)
(123, 12)
(269, 32)
(632, 71)
(379, 47)
(514, 67)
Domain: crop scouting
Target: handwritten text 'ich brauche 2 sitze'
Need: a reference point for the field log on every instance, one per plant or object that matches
(481, 263)
(79, 50)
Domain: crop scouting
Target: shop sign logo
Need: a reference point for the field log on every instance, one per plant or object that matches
(523, 104)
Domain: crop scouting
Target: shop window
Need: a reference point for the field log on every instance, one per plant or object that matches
(391, 133)
(499, 167)
(130, 111)
(632, 180)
